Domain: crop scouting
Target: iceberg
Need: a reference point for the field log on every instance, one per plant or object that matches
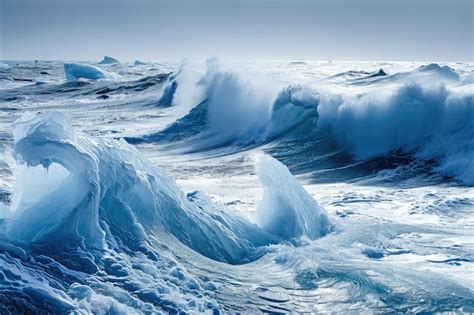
(104, 192)
(108, 60)
(139, 63)
(75, 71)
(444, 71)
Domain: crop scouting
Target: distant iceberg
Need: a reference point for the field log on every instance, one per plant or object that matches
(4, 66)
(376, 74)
(75, 71)
(139, 63)
(444, 71)
(469, 79)
(109, 60)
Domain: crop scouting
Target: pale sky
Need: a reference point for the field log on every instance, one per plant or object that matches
(416, 30)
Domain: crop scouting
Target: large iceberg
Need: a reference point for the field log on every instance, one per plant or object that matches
(108, 60)
(104, 192)
(75, 71)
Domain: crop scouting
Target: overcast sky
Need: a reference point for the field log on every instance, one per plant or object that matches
(418, 30)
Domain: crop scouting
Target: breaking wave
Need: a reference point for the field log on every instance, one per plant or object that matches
(409, 115)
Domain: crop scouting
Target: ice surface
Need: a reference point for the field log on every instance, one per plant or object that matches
(4, 66)
(139, 63)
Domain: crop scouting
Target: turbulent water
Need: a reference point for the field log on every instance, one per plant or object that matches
(252, 187)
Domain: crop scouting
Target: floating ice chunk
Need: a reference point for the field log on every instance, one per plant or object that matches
(139, 63)
(75, 71)
(4, 66)
(287, 210)
(109, 60)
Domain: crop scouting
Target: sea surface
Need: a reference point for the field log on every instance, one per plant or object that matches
(236, 187)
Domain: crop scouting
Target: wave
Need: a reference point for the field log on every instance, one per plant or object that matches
(236, 114)
(90, 226)
(428, 122)
(100, 199)
(412, 116)
(167, 95)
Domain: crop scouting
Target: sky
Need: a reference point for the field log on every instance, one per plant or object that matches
(391, 30)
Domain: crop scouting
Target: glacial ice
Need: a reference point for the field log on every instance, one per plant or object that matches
(108, 60)
(107, 193)
(139, 63)
(75, 71)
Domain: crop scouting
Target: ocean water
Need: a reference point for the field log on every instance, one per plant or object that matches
(236, 187)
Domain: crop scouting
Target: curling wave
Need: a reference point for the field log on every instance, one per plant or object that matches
(409, 116)
(235, 114)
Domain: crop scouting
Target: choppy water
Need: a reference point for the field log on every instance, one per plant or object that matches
(193, 215)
